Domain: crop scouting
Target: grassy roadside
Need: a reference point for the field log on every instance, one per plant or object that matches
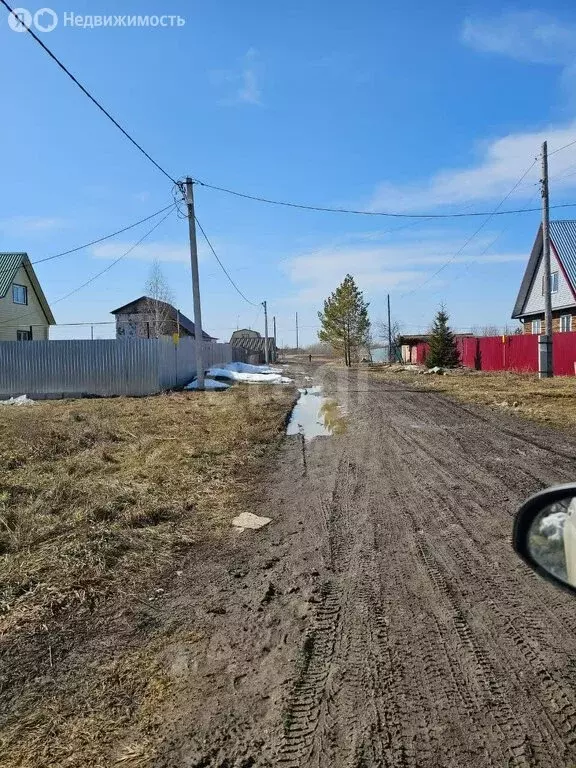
(99, 500)
(551, 401)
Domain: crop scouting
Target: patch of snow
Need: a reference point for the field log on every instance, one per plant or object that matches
(252, 377)
(209, 384)
(247, 368)
(552, 526)
(248, 520)
(21, 400)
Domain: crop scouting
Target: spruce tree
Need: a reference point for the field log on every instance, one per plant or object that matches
(345, 322)
(443, 351)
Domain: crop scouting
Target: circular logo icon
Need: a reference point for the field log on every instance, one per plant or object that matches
(45, 20)
(20, 20)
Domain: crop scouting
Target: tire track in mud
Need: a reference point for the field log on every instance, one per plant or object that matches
(465, 495)
(553, 688)
(432, 647)
(493, 696)
(312, 692)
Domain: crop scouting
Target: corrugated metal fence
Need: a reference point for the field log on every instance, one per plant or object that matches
(510, 353)
(104, 367)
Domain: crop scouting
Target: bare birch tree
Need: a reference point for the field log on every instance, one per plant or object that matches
(159, 294)
(395, 331)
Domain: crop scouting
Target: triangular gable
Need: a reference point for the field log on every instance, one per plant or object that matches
(529, 274)
(530, 299)
(27, 264)
(11, 263)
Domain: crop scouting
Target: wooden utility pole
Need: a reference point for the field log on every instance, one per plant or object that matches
(545, 366)
(275, 346)
(198, 341)
(266, 350)
(389, 333)
(297, 343)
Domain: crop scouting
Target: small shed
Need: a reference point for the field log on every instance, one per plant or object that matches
(254, 345)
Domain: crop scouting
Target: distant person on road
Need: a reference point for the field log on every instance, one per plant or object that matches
(309, 358)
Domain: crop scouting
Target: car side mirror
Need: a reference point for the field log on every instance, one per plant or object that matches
(545, 534)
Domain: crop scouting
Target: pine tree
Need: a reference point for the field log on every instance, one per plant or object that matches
(443, 350)
(345, 322)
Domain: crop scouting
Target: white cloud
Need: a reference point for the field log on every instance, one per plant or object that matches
(26, 225)
(245, 81)
(382, 268)
(501, 164)
(249, 88)
(529, 36)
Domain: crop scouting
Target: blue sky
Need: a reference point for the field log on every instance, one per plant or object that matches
(410, 106)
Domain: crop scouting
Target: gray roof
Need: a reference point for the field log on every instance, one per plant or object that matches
(563, 241)
(253, 343)
(563, 236)
(10, 263)
(185, 322)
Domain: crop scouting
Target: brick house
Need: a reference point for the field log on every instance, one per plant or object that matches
(148, 318)
(529, 307)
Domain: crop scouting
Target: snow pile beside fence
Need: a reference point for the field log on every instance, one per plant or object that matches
(243, 373)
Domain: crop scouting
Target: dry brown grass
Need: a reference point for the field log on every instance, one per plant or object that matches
(552, 401)
(98, 498)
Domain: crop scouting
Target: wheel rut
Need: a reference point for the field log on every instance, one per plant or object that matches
(431, 645)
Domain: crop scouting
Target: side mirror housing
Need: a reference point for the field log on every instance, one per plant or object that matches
(545, 534)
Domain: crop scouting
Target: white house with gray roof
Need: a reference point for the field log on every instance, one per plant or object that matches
(24, 311)
(529, 307)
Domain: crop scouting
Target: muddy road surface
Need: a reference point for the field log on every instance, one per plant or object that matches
(383, 619)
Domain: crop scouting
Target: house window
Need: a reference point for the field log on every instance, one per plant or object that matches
(19, 294)
(553, 283)
(536, 326)
(565, 323)
(23, 336)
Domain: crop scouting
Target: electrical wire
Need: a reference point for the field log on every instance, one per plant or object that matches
(395, 215)
(570, 144)
(269, 201)
(253, 303)
(99, 240)
(103, 271)
(474, 260)
(89, 95)
(116, 261)
(473, 235)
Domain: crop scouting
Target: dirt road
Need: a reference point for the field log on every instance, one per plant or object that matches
(383, 620)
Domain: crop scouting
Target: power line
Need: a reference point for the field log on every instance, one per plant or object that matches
(116, 261)
(469, 240)
(488, 247)
(99, 274)
(388, 214)
(570, 144)
(89, 95)
(100, 239)
(222, 266)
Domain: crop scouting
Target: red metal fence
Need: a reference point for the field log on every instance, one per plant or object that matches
(510, 353)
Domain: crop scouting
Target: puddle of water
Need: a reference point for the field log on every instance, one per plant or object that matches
(315, 415)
